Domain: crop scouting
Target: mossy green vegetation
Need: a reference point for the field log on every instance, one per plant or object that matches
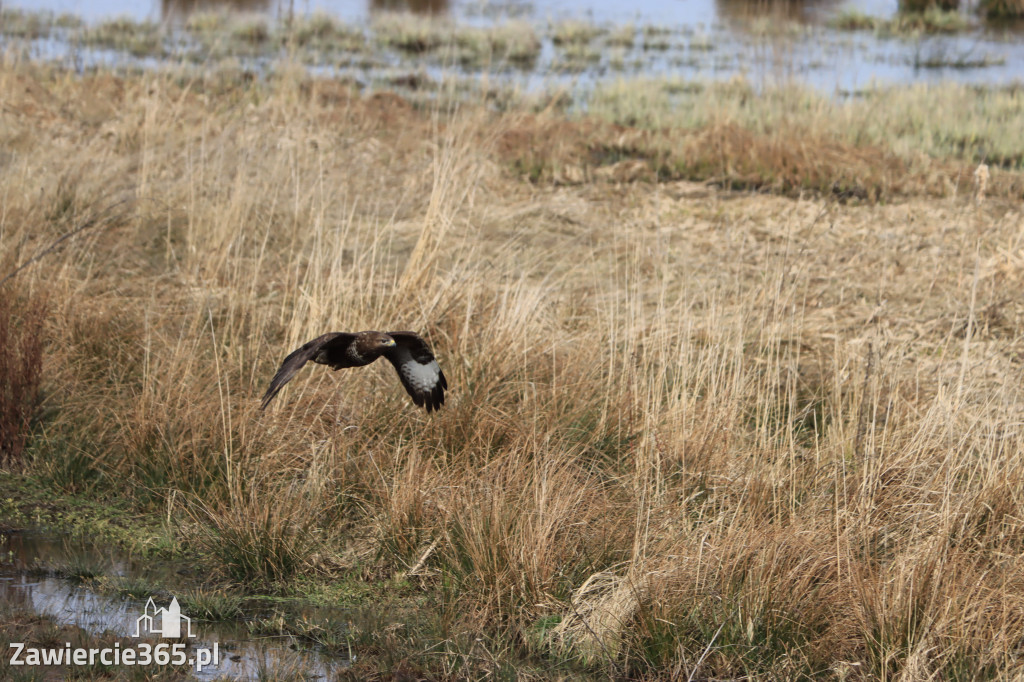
(28, 501)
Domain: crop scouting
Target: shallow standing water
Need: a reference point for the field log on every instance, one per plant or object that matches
(765, 41)
(27, 584)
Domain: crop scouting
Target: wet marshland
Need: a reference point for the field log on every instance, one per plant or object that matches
(103, 591)
(571, 44)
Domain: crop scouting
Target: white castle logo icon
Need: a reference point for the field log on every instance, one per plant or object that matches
(163, 622)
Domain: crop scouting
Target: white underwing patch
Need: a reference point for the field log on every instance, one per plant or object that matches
(422, 377)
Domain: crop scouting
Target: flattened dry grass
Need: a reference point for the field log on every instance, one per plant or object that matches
(690, 432)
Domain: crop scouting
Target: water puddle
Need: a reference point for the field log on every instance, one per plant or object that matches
(32, 562)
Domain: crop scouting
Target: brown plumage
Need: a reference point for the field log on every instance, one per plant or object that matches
(410, 354)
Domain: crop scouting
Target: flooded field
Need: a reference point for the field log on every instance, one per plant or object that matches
(102, 591)
(568, 45)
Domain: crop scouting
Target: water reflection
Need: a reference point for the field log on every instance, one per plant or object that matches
(27, 584)
(67, 604)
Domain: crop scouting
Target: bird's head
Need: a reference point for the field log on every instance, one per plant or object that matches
(374, 343)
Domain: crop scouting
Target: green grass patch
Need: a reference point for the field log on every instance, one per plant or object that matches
(212, 603)
(28, 501)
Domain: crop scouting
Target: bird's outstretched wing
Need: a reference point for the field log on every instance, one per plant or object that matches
(299, 357)
(418, 370)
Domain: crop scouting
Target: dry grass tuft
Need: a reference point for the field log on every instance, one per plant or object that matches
(22, 322)
(981, 178)
(601, 611)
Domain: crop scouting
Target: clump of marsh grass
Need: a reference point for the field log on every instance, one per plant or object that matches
(317, 27)
(922, 6)
(140, 39)
(22, 321)
(132, 586)
(577, 56)
(411, 33)
(21, 23)
(929, 20)
(513, 42)
(206, 23)
(855, 20)
(943, 60)
(323, 32)
(212, 604)
(77, 568)
(251, 31)
(329, 635)
(66, 20)
(658, 43)
(516, 42)
(260, 545)
(1001, 9)
(623, 35)
(652, 31)
(534, 508)
(574, 32)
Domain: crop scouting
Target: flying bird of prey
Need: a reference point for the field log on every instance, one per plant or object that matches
(410, 354)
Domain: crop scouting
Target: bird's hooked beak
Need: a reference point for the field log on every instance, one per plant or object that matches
(390, 343)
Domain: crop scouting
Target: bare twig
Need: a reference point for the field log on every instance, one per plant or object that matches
(423, 559)
(704, 655)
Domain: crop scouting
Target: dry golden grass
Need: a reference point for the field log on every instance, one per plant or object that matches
(690, 434)
(21, 362)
